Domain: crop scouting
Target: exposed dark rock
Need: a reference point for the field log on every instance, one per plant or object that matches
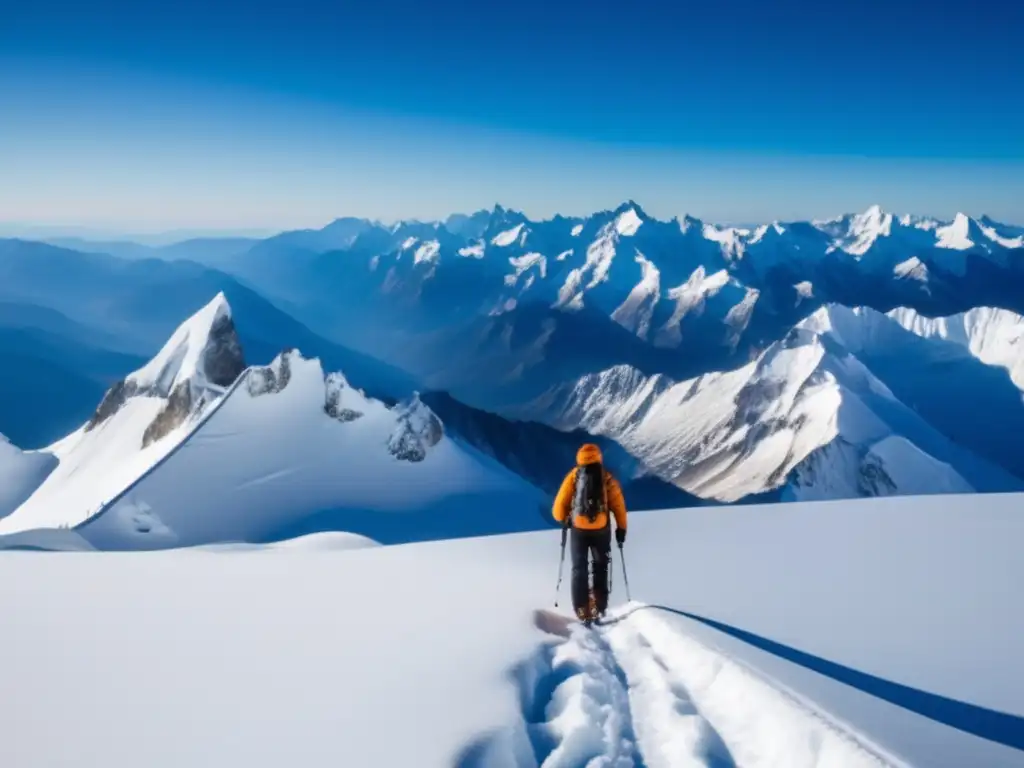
(335, 386)
(270, 379)
(405, 445)
(112, 402)
(418, 430)
(873, 479)
(343, 415)
(223, 359)
(172, 416)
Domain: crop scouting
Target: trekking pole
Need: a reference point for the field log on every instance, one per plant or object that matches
(625, 578)
(561, 558)
(611, 570)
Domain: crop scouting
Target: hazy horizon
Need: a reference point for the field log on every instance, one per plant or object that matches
(72, 231)
(156, 237)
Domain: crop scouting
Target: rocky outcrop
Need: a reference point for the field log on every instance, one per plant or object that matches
(334, 400)
(223, 359)
(417, 431)
(112, 402)
(176, 412)
(202, 357)
(271, 379)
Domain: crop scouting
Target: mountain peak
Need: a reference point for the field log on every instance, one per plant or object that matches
(874, 217)
(690, 223)
(501, 215)
(205, 346)
(631, 205)
(960, 234)
(202, 357)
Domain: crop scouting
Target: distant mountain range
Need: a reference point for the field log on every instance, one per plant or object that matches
(869, 354)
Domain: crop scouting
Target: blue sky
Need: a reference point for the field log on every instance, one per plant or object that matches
(134, 116)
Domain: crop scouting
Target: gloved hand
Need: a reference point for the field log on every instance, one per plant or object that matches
(620, 536)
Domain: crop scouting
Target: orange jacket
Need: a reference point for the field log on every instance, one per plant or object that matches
(562, 507)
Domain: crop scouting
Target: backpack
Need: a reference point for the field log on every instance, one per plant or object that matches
(589, 498)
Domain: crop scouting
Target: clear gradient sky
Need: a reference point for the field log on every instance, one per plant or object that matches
(146, 116)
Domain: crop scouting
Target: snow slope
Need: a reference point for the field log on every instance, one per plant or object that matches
(313, 662)
(994, 336)
(21, 472)
(94, 467)
(139, 421)
(287, 447)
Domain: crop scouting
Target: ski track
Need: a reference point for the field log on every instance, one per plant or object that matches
(637, 692)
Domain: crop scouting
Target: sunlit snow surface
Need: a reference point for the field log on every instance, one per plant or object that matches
(309, 652)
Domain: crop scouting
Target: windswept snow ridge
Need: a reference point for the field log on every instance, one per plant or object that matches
(637, 311)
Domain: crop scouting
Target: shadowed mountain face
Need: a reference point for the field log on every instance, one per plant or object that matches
(544, 455)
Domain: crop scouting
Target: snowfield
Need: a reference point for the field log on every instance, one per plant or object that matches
(313, 653)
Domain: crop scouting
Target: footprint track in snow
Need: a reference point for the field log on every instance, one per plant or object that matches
(640, 692)
(671, 729)
(574, 705)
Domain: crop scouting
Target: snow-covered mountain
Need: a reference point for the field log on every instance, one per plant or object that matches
(528, 299)
(198, 362)
(788, 360)
(196, 447)
(806, 419)
(139, 420)
(290, 450)
(994, 336)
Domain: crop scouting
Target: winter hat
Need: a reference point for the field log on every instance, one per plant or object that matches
(588, 454)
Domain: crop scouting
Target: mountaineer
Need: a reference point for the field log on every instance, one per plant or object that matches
(587, 495)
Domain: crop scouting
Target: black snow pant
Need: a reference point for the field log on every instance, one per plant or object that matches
(586, 546)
